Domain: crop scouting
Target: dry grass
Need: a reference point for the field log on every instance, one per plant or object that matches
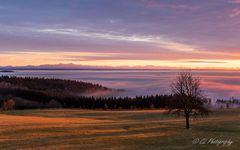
(89, 129)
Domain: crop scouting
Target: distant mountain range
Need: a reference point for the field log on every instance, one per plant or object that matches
(72, 66)
(75, 66)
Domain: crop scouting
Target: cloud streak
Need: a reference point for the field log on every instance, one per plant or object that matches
(157, 41)
(235, 1)
(235, 12)
(170, 5)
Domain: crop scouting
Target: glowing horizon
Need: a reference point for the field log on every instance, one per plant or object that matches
(181, 34)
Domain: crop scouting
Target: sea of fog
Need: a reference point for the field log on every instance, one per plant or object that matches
(215, 84)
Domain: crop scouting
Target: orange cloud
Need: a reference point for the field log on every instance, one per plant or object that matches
(110, 59)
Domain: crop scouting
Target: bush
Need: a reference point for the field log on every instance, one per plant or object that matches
(8, 105)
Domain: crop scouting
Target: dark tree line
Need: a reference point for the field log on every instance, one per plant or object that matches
(47, 84)
(145, 102)
(70, 101)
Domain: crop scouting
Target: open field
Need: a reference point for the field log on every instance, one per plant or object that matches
(92, 129)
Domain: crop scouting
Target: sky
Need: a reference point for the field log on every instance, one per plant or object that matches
(163, 33)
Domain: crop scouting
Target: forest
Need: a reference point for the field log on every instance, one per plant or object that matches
(32, 93)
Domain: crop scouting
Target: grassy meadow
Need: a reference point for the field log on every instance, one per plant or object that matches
(115, 130)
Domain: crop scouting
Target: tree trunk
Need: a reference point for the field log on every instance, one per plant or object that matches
(187, 122)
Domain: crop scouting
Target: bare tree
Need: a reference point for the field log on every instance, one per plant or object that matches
(188, 97)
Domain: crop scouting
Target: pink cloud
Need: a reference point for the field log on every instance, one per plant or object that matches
(235, 1)
(158, 4)
(234, 12)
